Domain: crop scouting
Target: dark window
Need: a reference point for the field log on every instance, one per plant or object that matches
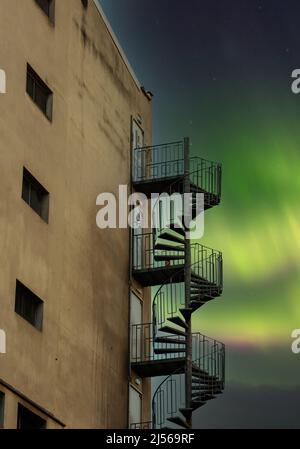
(34, 194)
(28, 420)
(39, 92)
(29, 306)
(2, 400)
(48, 6)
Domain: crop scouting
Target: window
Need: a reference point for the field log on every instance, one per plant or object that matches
(2, 400)
(28, 420)
(39, 92)
(35, 195)
(48, 6)
(29, 306)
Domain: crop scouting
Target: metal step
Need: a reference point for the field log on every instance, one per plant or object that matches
(166, 257)
(203, 398)
(179, 421)
(169, 247)
(171, 236)
(200, 298)
(172, 330)
(169, 340)
(200, 283)
(186, 412)
(180, 231)
(200, 374)
(197, 304)
(186, 313)
(197, 404)
(207, 384)
(177, 320)
(192, 297)
(169, 350)
(213, 389)
(202, 381)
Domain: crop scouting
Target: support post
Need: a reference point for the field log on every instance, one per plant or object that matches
(187, 279)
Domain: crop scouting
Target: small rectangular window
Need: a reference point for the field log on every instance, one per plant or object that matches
(48, 6)
(35, 195)
(29, 306)
(39, 92)
(2, 404)
(27, 420)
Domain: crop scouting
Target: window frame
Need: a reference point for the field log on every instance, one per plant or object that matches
(32, 415)
(49, 10)
(33, 80)
(37, 306)
(2, 409)
(30, 183)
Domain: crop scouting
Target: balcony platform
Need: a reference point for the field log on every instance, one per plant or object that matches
(173, 184)
(156, 368)
(149, 277)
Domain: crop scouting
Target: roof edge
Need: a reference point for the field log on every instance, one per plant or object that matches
(117, 43)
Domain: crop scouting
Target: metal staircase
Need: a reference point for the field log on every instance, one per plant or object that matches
(189, 367)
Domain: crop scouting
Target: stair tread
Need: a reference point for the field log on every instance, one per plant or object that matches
(178, 230)
(166, 257)
(197, 404)
(169, 340)
(171, 236)
(179, 421)
(204, 397)
(208, 391)
(168, 247)
(186, 412)
(193, 297)
(186, 312)
(172, 330)
(169, 350)
(177, 320)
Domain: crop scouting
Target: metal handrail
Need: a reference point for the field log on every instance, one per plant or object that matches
(170, 157)
(219, 350)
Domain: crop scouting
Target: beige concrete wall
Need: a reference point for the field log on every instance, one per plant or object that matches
(77, 368)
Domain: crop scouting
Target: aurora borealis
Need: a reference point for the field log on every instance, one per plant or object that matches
(221, 74)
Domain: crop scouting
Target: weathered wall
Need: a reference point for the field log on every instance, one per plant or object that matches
(77, 368)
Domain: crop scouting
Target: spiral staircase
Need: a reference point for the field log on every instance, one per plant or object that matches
(189, 368)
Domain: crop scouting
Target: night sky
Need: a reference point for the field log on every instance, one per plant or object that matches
(220, 71)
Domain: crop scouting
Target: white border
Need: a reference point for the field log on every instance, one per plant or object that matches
(114, 38)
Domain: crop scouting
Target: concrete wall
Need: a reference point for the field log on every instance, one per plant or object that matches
(77, 368)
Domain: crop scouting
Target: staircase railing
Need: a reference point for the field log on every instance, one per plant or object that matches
(143, 253)
(167, 161)
(158, 161)
(167, 400)
(145, 348)
(208, 369)
(207, 262)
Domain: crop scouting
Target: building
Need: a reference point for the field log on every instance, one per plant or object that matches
(85, 334)
(66, 136)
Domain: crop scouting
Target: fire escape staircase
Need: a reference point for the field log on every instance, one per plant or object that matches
(189, 368)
